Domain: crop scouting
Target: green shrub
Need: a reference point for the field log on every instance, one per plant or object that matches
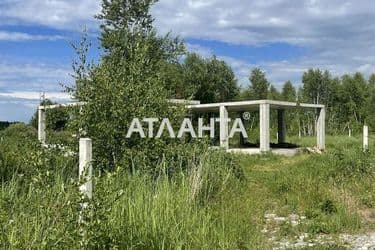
(351, 163)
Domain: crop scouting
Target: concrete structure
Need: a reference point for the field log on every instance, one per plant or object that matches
(264, 127)
(85, 176)
(42, 134)
(85, 167)
(224, 139)
(365, 138)
(42, 125)
(264, 107)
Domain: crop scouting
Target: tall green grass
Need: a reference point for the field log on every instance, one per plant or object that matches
(211, 200)
(40, 203)
(127, 211)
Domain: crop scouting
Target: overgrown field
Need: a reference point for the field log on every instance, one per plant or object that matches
(214, 200)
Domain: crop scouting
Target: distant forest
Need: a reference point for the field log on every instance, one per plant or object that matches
(5, 124)
(349, 99)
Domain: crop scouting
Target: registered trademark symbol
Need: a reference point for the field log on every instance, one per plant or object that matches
(246, 115)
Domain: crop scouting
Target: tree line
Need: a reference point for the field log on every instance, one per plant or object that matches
(349, 99)
(139, 70)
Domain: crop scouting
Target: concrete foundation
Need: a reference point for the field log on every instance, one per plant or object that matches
(277, 151)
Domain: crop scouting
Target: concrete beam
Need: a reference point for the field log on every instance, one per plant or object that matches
(70, 104)
(42, 125)
(281, 126)
(183, 101)
(264, 122)
(251, 105)
(74, 104)
(224, 138)
(320, 129)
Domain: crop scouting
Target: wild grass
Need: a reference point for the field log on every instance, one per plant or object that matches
(217, 202)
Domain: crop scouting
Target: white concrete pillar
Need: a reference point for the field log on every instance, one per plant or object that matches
(281, 126)
(224, 138)
(42, 125)
(85, 167)
(365, 138)
(264, 124)
(320, 129)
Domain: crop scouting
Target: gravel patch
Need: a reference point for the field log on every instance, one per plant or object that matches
(364, 241)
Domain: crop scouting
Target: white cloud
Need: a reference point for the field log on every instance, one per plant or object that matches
(199, 49)
(33, 77)
(254, 22)
(16, 110)
(338, 34)
(19, 36)
(36, 95)
(20, 106)
(65, 14)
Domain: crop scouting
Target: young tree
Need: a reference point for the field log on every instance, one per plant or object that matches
(223, 80)
(353, 95)
(371, 101)
(316, 85)
(56, 119)
(274, 94)
(195, 78)
(371, 81)
(259, 84)
(209, 80)
(288, 92)
(129, 82)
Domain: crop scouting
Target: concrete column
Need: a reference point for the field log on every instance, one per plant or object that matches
(224, 139)
(365, 138)
(42, 125)
(85, 168)
(264, 135)
(281, 126)
(320, 129)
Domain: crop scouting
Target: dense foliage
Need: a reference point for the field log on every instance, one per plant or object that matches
(350, 99)
(177, 194)
(129, 82)
(40, 201)
(5, 124)
(209, 206)
(56, 119)
(207, 80)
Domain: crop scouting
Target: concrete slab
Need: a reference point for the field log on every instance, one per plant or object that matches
(277, 151)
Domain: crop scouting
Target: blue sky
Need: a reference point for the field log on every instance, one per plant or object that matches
(282, 37)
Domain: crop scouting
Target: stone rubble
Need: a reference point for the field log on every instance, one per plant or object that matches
(360, 241)
(357, 241)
